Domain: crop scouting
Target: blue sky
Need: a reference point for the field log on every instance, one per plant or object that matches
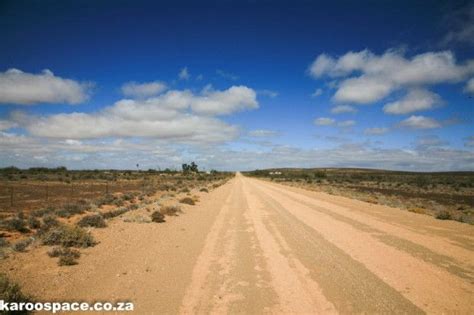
(237, 84)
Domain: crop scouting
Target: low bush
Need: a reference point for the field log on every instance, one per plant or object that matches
(42, 212)
(71, 209)
(170, 210)
(187, 200)
(184, 190)
(68, 236)
(21, 246)
(93, 220)
(158, 217)
(444, 215)
(114, 213)
(204, 190)
(15, 224)
(67, 256)
(11, 292)
(34, 223)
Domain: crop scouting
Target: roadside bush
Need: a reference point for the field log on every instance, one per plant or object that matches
(106, 200)
(16, 224)
(184, 190)
(68, 236)
(204, 190)
(67, 256)
(157, 217)
(187, 200)
(170, 210)
(71, 209)
(34, 223)
(11, 292)
(21, 246)
(114, 213)
(444, 215)
(42, 212)
(93, 220)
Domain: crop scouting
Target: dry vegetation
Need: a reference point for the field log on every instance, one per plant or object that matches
(445, 195)
(65, 221)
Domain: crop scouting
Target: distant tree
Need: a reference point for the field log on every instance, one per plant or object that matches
(193, 167)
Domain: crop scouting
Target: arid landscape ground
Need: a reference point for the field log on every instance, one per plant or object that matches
(247, 245)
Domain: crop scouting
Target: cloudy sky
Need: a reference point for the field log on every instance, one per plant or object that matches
(237, 85)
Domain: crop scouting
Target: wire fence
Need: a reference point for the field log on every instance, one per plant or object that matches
(21, 196)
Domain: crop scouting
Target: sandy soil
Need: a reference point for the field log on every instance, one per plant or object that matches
(255, 247)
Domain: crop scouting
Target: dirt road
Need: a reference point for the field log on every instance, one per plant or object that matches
(257, 247)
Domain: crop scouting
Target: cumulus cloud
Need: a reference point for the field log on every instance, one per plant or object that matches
(346, 123)
(7, 124)
(415, 100)
(469, 88)
(177, 115)
(142, 90)
(376, 131)
(341, 109)
(429, 141)
(324, 121)
(184, 74)
(420, 122)
(366, 77)
(263, 133)
(461, 23)
(18, 87)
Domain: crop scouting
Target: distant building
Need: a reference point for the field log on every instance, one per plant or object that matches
(275, 173)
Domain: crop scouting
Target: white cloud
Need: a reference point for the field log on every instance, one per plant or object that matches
(469, 88)
(341, 109)
(231, 100)
(420, 122)
(317, 92)
(362, 90)
(268, 93)
(184, 74)
(415, 100)
(6, 124)
(178, 115)
(263, 133)
(367, 77)
(461, 24)
(324, 121)
(429, 141)
(18, 87)
(141, 90)
(346, 123)
(376, 131)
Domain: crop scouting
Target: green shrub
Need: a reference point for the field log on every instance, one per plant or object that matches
(11, 292)
(187, 200)
(15, 224)
(158, 217)
(114, 213)
(444, 215)
(93, 220)
(34, 223)
(204, 190)
(21, 246)
(68, 236)
(170, 210)
(71, 209)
